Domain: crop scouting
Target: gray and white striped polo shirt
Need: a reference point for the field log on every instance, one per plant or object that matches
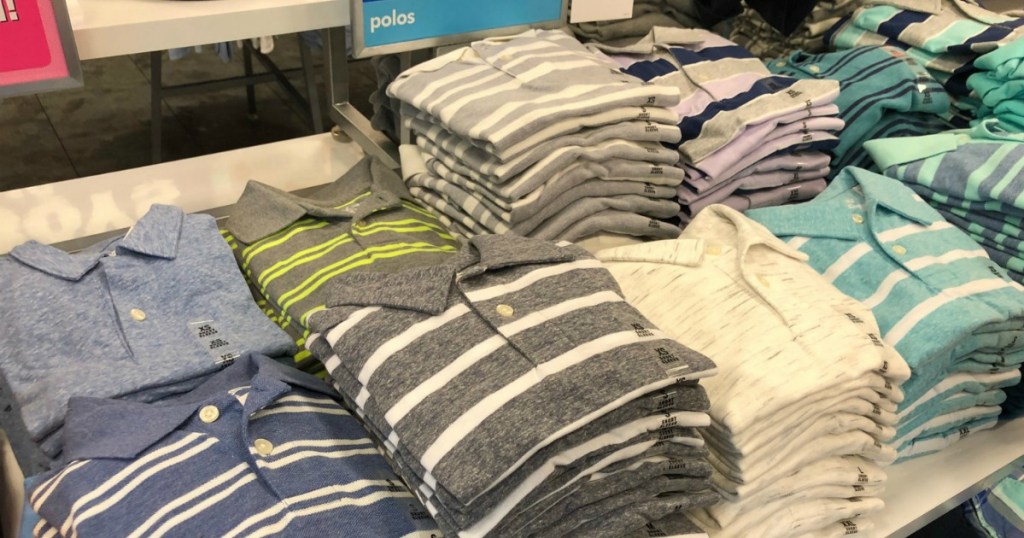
(482, 361)
(497, 92)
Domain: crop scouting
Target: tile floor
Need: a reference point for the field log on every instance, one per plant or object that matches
(105, 126)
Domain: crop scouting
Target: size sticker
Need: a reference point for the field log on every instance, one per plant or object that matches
(215, 340)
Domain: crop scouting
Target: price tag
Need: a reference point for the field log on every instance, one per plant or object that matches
(37, 47)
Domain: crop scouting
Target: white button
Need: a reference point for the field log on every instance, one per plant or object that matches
(263, 447)
(859, 219)
(764, 281)
(780, 64)
(209, 413)
(505, 310)
(814, 69)
(137, 315)
(899, 249)
(713, 250)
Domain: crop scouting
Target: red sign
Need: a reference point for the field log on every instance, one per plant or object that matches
(37, 50)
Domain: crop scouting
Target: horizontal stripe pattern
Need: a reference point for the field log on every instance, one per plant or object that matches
(498, 93)
(937, 297)
(365, 221)
(209, 479)
(447, 385)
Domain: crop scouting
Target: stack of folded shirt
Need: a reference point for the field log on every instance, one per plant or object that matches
(884, 93)
(291, 248)
(646, 15)
(259, 449)
(951, 312)
(749, 138)
(768, 30)
(519, 394)
(141, 317)
(999, 84)
(804, 402)
(946, 36)
(973, 177)
(537, 136)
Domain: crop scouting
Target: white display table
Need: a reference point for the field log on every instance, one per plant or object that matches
(921, 490)
(93, 205)
(116, 27)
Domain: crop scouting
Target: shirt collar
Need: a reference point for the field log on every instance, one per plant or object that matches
(366, 188)
(425, 289)
(105, 428)
(829, 216)
(715, 224)
(156, 234)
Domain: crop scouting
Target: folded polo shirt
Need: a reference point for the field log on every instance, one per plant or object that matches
(923, 446)
(143, 316)
(856, 475)
(816, 127)
(757, 277)
(293, 247)
(725, 90)
(796, 162)
(973, 177)
(875, 80)
(742, 200)
(786, 518)
(936, 295)
(949, 69)
(498, 91)
(946, 26)
(525, 196)
(562, 148)
(258, 449)
(513, 332)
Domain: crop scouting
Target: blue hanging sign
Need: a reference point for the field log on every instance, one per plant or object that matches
(386, 26)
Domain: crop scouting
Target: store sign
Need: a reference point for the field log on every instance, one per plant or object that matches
(37, 47)
(386, 26)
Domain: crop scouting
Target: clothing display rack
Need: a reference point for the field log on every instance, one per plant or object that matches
(78, 212)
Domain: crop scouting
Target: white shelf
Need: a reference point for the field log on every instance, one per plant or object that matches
(117, 27)
(91, 205)
(921, 490)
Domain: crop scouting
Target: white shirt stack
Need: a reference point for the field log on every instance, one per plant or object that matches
(804, 406)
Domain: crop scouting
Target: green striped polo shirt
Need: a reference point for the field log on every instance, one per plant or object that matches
(291, 248)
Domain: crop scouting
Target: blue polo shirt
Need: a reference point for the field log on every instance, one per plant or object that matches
(142, 316)
(259, 449)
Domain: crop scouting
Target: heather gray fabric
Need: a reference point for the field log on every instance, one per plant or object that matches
(620, 223)
(525, 191)
(636, 479)
(468, 444)
(676, 525)
(291, 247)
(491, 93)
(610, 519)
(649, 153)
(548, 201)
(499, 170)
(583, 218)
(646, 15)
(672, 454)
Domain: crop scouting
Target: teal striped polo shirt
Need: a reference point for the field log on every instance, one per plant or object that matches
(937, 296)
